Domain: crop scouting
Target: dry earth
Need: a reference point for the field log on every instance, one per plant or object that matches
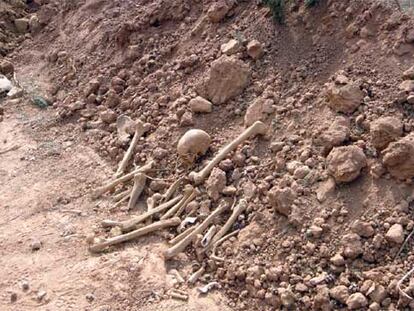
(327, 190)
(45, 205)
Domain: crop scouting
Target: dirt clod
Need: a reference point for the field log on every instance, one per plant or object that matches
(356, 301)
(345, 163)
(395, 234)
(384, 131)
(200, 105)
(398, 157)
(226, 79)
(255, 49)
(346, 98)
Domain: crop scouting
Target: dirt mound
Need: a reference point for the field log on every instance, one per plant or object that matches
(305, 154)
(13, 24)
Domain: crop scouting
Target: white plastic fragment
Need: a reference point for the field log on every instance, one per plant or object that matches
(5, 84)
(206, 288)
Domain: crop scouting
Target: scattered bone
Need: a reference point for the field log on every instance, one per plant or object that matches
(185, 222)
(405, 243)
(215, 245)
(189, 199)
(182, 235)
(12, 148)
(177, 276)
(208, 236)
(258, 128)
(170, 192)
(107, 223)
(192, 144)
(135, 234)
(72, 211)
(407, 275)
(121, 201)
(179, 296)
(139, 184)
(188, 191)
(205, 289)
(130, 224)
(122, 195)
(150, 203)
(180, 246)
(196, 275)
(101, 190)
(139, 131)
(193, 208)
(124, 125)
(240, 208)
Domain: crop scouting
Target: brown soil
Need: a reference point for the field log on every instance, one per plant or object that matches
(329, 187)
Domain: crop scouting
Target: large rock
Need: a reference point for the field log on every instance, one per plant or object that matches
(395, 234)
(384, 131)
(398, 158)
(338, 132)
(6, 67)
(282, 199)
(226, 79)
(258, 111)
(200, 105)
(345, 163)
(255, 49)
(218, 11)
(231, 47)
(216, 183)
(22, 24)
(344, 98)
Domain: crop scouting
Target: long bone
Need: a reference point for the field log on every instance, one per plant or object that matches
(258, 128)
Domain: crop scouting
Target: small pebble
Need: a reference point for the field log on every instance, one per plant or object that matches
(35, 245)
(13, 297)
(25, 285)
(40, 295)
(90, 297)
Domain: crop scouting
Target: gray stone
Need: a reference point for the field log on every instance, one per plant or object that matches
(22, 25)
(200, 105)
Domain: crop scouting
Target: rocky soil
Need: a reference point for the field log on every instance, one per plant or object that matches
(314, 201)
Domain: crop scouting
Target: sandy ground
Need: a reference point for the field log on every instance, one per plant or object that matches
(45, 179)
